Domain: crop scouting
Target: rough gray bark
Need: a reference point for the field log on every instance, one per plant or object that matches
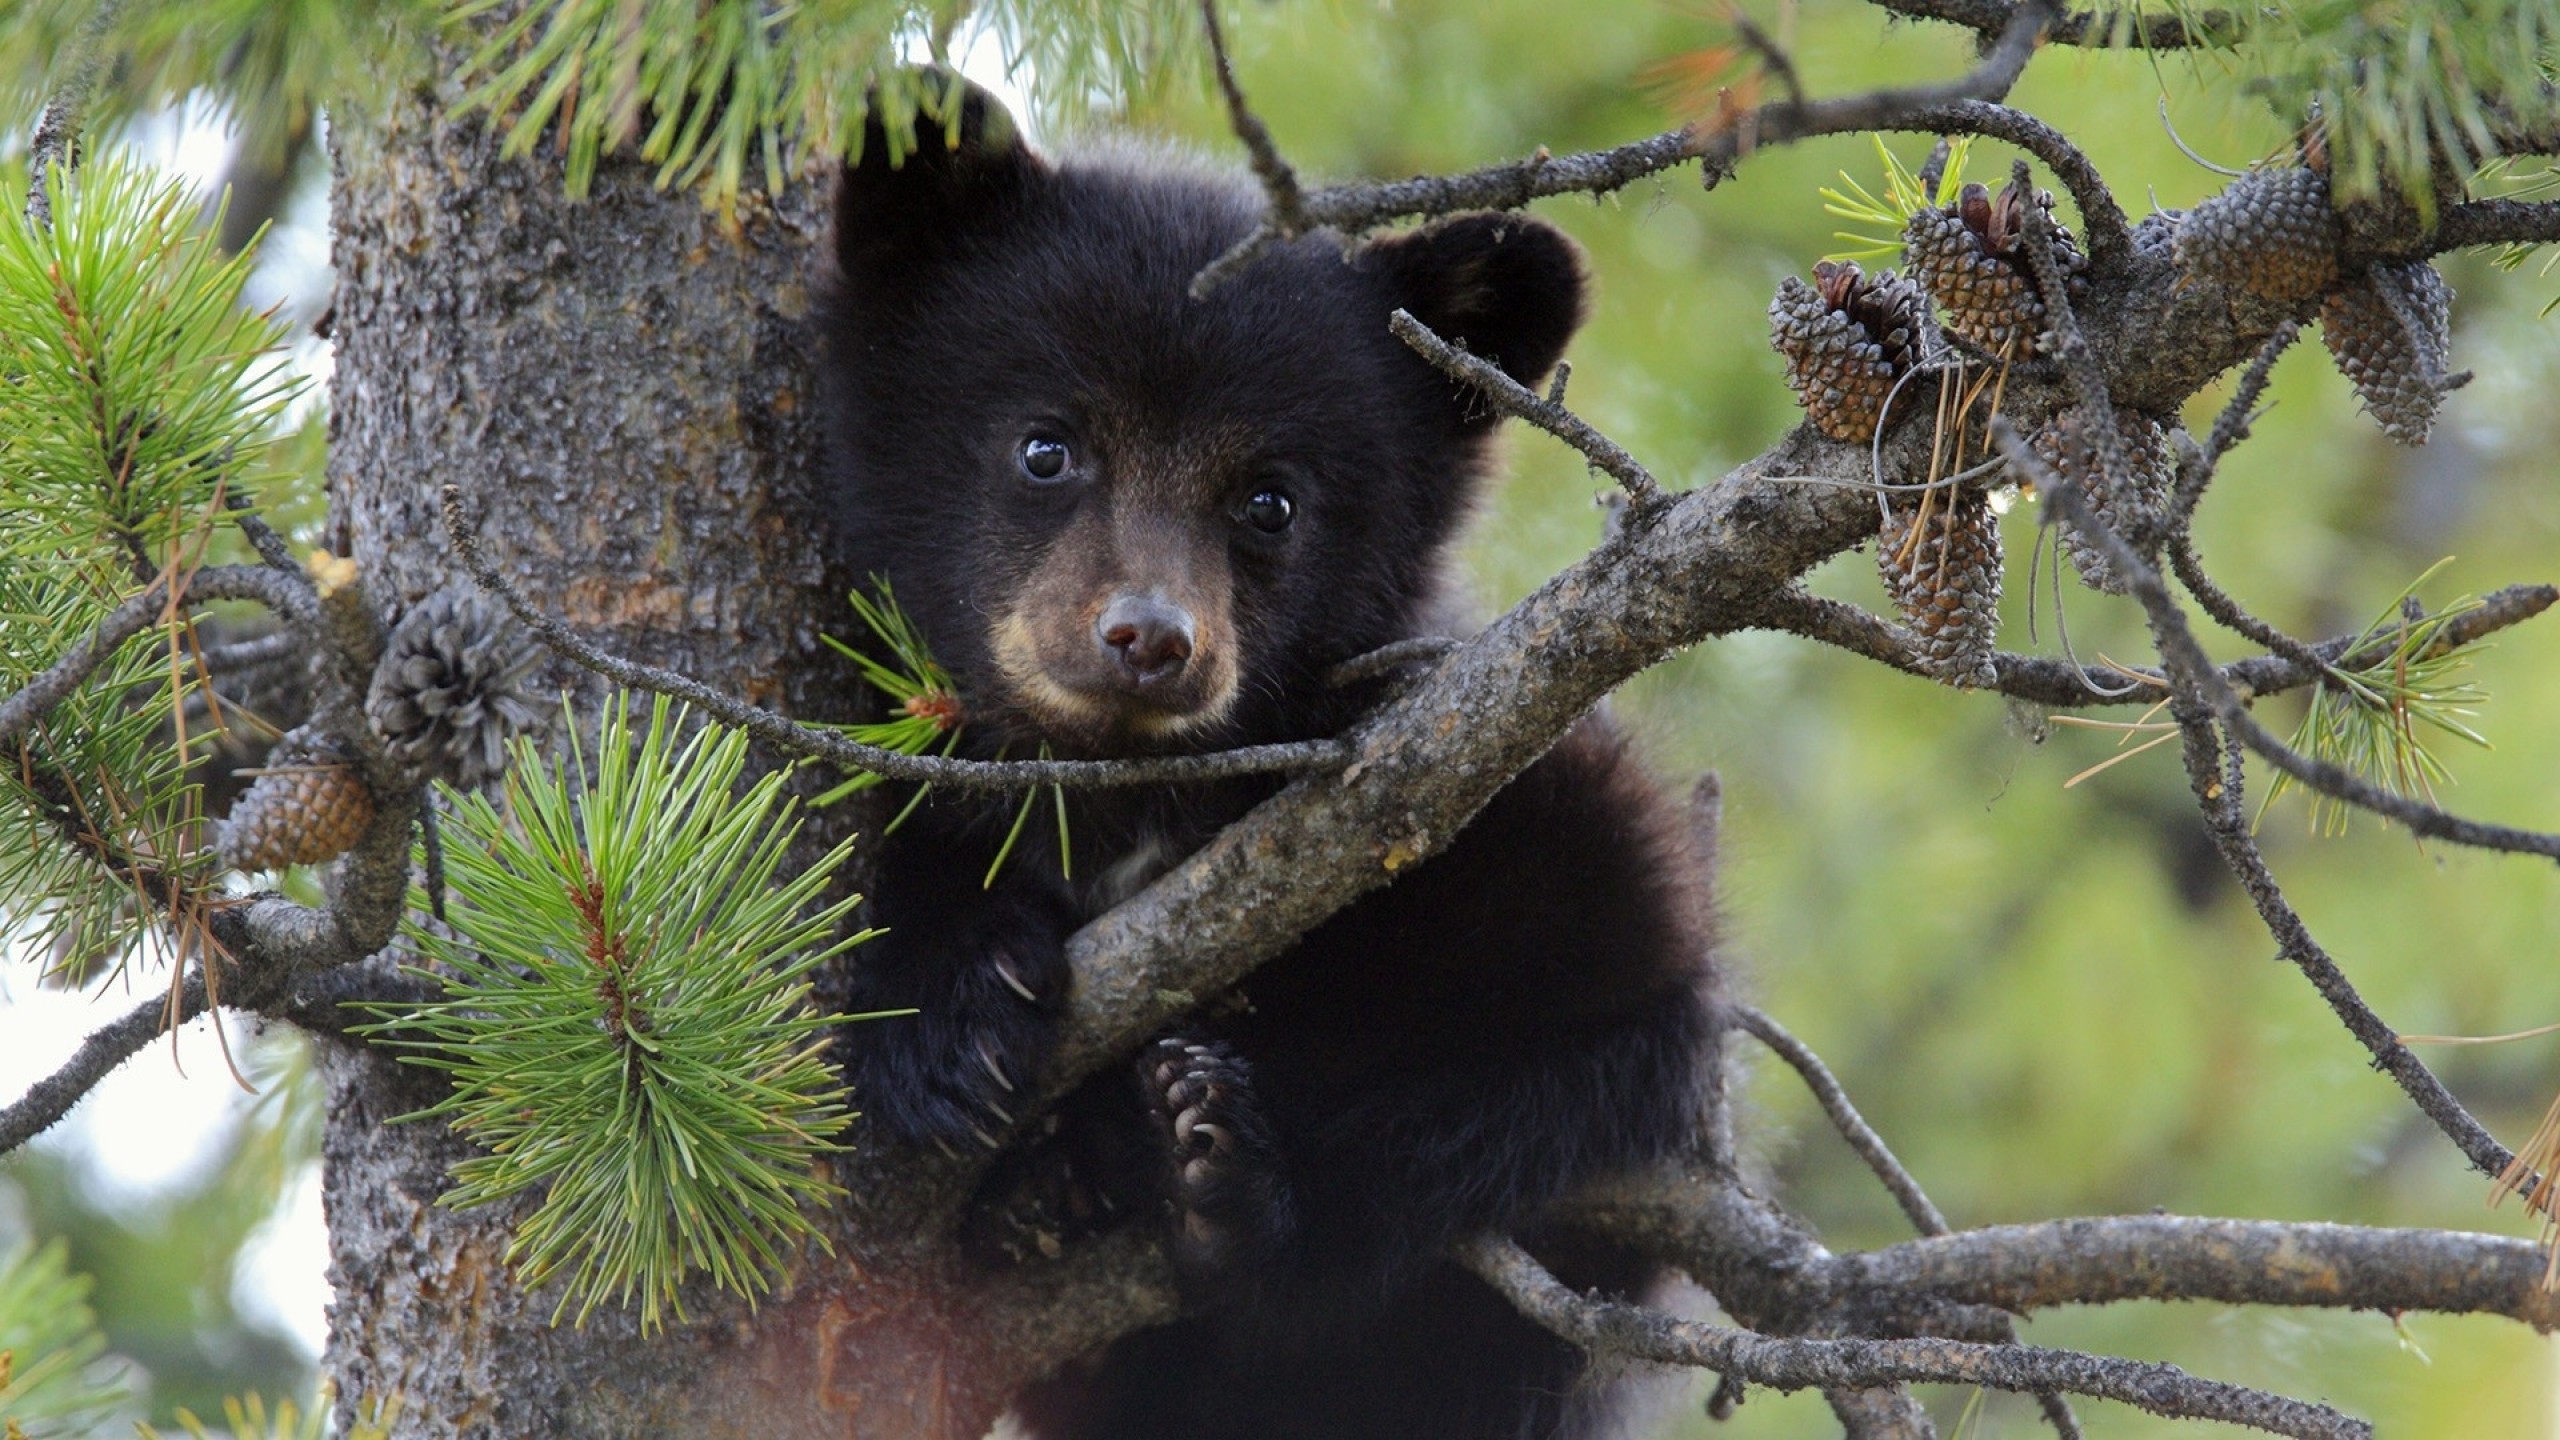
(621, 387)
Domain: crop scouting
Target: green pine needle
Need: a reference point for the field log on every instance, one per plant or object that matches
(718, 92)
(626, 1018)
(245, 1417)
(138, 382)
(2378, 720)
(929, 715)
(1904, 197)
(48, 1336)
(927, 703)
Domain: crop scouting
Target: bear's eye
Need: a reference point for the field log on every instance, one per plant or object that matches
(1269, 511)
(1044, 458)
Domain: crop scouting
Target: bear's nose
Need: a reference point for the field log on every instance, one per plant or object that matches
(1149, 639)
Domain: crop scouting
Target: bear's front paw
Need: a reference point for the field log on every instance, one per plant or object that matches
(1229, 1201)
(948, 1074)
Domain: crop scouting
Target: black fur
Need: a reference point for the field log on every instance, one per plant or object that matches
(1523, 1012)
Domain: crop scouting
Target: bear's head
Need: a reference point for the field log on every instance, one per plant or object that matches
(1124, 518)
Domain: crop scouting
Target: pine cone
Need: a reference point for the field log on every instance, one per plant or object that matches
(1947, 584)
(2391, 334)
(1970, 258)
(310, 806)
(1846, 338)
(2157, 235)
(2068, 449)
(454, 685)
(2271, 232)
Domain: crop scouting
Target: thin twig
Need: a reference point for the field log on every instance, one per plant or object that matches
(52, 1097)
(2229, 613)
(2108, 233)
(1420, 650)
(1923, 1213)
(2200, 698)
(2186, 662)
(1279, 182)
(2231, 426)
(57, 135)
(262, 536)
(1633, 1331)
(1773, 56)
(34, 700)
(1293, 758)
(1509, 396)
(1853, 1127)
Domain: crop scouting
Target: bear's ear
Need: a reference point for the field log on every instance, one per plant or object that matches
(968, 167)
(1508, 287)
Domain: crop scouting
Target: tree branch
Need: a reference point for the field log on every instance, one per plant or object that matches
(791, 737)
(58, 125)
(2198, 697)
(288, 596)
(1845, 1118)
(107, 1047)
(1610, 1327)
(2127, 28)
(2106, 1259)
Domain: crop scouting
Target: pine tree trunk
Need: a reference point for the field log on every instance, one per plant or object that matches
(621, 388)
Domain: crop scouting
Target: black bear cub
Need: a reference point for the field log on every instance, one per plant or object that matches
(1129, 522)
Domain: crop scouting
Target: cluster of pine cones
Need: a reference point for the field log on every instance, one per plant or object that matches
(1851, 342)
(455, 683)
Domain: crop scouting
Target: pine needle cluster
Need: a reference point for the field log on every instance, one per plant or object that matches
(718, 92)
(272, 64)
(2410, 90)
(1905, 195)
(2379, 719)
(48, 1337)
(140, 392)
(927, 716)
(246, 1417)
(625, 1014)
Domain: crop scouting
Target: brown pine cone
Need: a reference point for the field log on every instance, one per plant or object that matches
(2066, 447)
(1946, 582)
(2390, 333)
(310, 806)
(1970, 258)
(2271, 232)
(1846, 339)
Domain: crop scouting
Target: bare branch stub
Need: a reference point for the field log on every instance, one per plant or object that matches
(1509, 396)
(1853, 1127)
